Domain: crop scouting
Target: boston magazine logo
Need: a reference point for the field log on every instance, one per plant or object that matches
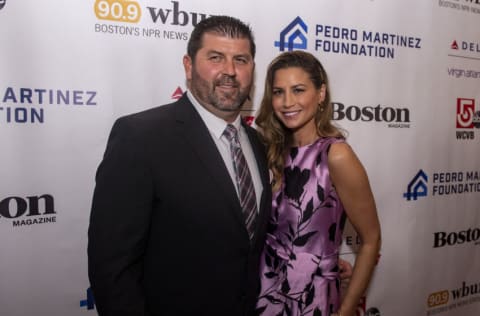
(394, 117)
(27, 211)
(467, 118)
(336, 39)
(443, 183)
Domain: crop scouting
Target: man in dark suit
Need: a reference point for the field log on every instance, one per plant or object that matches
(167, 233)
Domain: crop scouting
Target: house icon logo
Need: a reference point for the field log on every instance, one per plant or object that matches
(89, 302)
(294, 36)
(417, 187)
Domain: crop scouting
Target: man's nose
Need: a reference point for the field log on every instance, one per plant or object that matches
(229, 67)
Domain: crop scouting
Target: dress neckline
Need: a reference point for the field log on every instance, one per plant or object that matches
(307, 145)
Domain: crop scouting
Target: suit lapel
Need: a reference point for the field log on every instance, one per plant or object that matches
(196, 134)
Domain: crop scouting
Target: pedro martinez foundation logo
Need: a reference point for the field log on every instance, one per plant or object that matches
(447, 300)
(89, 301)
(27, 211)
(121, 17)
(443, 183)
(336, 39)
(29, 105)
(467, 118)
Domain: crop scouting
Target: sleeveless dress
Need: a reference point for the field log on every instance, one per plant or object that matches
(299, 264)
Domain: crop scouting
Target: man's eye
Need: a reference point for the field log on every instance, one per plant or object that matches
(242, 60)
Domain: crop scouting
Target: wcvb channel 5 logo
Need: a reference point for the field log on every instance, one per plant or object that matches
(466, 118)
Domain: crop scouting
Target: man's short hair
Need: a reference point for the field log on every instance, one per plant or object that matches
(221, 25)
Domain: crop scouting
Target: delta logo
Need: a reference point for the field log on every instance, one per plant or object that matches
(465, 49)
(177, 94)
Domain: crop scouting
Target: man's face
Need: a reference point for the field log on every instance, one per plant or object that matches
(221, 74)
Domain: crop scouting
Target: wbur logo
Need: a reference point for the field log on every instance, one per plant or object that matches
(417, 187)
(294, 36)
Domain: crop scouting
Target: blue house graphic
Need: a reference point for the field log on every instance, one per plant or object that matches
(417, 187)
(293, 36)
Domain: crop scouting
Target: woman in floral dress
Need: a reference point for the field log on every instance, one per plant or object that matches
(318, 183)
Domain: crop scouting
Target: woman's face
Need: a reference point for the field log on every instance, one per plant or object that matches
(295, 101)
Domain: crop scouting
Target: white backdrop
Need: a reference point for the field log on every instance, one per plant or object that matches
(405, 79)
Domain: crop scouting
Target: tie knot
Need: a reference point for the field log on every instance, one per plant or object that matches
(230, 133)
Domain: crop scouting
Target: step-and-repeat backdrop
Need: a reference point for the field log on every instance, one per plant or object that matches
(405, 79)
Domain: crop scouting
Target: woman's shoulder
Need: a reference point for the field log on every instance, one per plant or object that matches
(340, 152)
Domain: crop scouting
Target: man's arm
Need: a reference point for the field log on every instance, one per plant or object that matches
(119, 222)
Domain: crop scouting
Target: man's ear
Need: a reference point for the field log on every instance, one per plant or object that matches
(187, 65)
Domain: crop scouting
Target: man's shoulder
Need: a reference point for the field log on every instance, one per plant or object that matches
(155, 117)
(154, 114)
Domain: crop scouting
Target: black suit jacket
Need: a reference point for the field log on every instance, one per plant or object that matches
(166, 234)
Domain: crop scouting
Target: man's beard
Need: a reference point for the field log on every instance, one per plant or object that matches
(209, 95)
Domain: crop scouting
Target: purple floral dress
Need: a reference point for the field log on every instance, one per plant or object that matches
(298, 269)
